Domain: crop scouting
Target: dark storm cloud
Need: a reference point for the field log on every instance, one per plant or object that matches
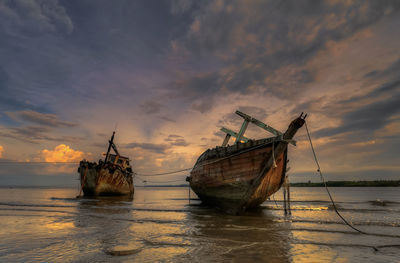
(378, 107)
(152, 147)
(40, 118)
(33, 17)
(123, 32)
(30, 50)
(366, 119)
(51, 49)
(391, 86)
(9, 96)
(373, 115)
(257, 41)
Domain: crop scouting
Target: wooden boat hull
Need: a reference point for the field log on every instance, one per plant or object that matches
(238, 177)
(104, 180)
(223, 183)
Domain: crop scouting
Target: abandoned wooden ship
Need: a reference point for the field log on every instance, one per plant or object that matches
(242, 176)
(113, 176)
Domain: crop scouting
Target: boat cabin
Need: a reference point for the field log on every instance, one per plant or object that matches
(119, 160)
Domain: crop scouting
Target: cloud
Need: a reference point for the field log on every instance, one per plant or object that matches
(264, 45)
(176, 140)
(1, 151)
(34, 134)
(151, 107)
(152, 147)
(392, 69)
(367, 112)
(62, 153)
(34, 17)
(367, 119)
(39, 118)
(166, 118)
(234, 120)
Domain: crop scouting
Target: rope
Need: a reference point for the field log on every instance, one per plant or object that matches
(172, 172)
(138, 175)
(158, 182)
(273, 154)
(326, 187)
(215, 161)
(166, 173)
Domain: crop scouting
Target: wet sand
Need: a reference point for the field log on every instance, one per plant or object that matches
(160, 224)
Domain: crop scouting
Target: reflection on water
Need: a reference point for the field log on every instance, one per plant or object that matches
(50, 225)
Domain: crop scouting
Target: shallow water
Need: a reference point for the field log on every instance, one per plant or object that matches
(51, 225)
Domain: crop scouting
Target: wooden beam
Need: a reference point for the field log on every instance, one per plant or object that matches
(262, 125)
(226, 140)
(233, 134)
(242, 130)
(259, 123)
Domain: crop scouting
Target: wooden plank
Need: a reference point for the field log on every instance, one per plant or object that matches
(233, 134)
(263, 125)
(259, 123)
(226, 140)
(242, 130)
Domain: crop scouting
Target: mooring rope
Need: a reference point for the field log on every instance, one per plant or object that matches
(171, 172)
(157, 182)
(215, 161)
(327, 190)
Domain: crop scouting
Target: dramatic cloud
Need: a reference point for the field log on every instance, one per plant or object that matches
(176, 140)
(266, 45)
(62, 153)
(34, 17)
(151, 107)
(1, 151)
(367, 119)
(34, 134)
(152, 147)
(168, 74)
(39, 118)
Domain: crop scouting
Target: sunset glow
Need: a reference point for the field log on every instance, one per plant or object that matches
(168, 78)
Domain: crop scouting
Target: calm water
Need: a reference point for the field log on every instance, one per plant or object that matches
(51, 225)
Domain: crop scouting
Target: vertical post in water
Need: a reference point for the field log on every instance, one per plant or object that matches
(288, 194)
(284, 198)
(189, 192)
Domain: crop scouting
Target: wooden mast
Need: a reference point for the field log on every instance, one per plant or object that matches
(110, 143)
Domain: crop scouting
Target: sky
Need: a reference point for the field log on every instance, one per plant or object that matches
(167, 75)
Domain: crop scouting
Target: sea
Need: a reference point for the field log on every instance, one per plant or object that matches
(161, 224)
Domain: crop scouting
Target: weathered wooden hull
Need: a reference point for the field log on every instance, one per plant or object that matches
(104, 180)
(223, 180)
(238, 177)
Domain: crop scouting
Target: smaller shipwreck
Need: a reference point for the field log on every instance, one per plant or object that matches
(242, 176)
(113, 176)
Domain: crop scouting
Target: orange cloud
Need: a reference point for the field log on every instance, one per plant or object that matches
(62, 153)
(1, 151)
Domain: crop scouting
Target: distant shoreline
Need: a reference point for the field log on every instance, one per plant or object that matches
(376, 183)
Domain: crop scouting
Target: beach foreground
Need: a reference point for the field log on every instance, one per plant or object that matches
(51, 225)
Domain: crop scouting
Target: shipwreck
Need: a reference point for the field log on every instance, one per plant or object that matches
(242, 176)
(113, 176)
